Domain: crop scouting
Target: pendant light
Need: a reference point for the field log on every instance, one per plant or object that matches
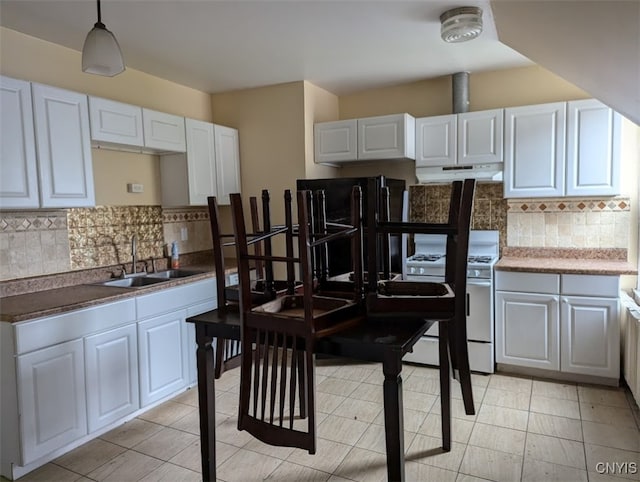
(101, 54)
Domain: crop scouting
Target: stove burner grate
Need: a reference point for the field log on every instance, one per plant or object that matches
(480, 259)
(426, 257)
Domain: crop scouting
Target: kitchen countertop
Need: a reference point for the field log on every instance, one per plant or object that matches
(50, 302)
(566, 260)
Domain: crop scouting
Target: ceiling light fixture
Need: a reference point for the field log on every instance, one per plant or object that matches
(461, 24)
(101, 54)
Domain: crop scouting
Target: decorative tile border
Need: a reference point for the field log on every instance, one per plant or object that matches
(12, 221)
(569, 205)
(181, 215)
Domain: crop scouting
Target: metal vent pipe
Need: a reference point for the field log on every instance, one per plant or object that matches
(460, 91)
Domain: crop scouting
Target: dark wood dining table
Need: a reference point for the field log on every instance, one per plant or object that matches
(383, 341)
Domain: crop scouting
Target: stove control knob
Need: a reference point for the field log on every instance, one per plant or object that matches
(421, 271)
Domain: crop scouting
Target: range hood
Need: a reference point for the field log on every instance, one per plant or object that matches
(483, 172)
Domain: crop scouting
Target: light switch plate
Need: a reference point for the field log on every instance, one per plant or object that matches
(135, 188)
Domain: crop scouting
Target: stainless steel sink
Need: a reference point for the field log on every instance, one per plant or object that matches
(135, 282)
(174, 273)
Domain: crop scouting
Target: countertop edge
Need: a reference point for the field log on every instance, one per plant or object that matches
(107, 294)
(566, 266)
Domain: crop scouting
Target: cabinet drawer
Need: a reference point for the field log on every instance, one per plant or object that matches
(43, 332)
(527, 282)
(591, 285)
(172, 299)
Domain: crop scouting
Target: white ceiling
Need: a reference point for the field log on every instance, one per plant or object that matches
(217, 46)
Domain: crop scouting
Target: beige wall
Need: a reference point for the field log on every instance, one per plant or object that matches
(319, 106)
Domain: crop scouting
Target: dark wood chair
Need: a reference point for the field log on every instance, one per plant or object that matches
(278, 337)
(227, 351)
(444, 303)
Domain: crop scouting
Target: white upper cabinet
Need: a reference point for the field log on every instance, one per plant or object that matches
(371, 138)
(18, 164)
(436, 141)
(562, 149)
(227, 146)
(63, 143)
(163, 132)
(480, 137)
(534, 150)
(460, 139)
(386, 137)
(115, 122)
(336, 141)
(593, 149)
(210, 167)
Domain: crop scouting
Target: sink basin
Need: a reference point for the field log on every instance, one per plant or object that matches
(174, 273)
(133, 282)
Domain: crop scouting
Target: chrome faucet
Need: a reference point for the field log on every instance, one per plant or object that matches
(133, 254)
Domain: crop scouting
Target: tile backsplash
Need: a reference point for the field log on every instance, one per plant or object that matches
(54, 241)
(548, 222)
(569, 223)
(33, 243)
(430, 203)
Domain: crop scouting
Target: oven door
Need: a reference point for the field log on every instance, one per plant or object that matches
(479, 308)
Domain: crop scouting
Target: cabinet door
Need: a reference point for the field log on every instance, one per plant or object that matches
(593, 149)
(436, 141)
(480, 137)
(227, 162)
(162, 348)
(201, 162)
(163, 132)
(115, 122)
(386, 137)
(534, 157)
(52, 399)
(111, 367)
(590, 336)
(336, 141)
(19, 179)
(527, 330)
(64, 147)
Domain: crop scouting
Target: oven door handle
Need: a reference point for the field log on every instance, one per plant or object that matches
(478, 282)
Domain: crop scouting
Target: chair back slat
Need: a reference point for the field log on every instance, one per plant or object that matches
(255, 223)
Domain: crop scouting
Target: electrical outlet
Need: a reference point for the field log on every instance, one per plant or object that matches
(135, 187)
(184, 234)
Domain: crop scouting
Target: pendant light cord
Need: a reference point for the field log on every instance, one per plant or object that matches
(99, 22)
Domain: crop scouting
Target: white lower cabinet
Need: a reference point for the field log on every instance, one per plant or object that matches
(590, 336)
(562, 322)
(67, 378)
(51, 392)
(162, 350)
(527, 330)
(111, 370)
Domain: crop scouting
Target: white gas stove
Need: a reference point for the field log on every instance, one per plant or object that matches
(428, 264)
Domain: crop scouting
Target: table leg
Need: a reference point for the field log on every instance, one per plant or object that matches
(393, 416)
(206, 399)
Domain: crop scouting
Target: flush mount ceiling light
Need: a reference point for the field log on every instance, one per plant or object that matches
(461, 24)
(101, 54)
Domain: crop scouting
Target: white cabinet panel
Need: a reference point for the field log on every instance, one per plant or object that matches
(18, 165)
(163, 356)
(527, 330)
(111, 367)
(336, 141)
(386, 137)
(227, 147)
(534, 150)
(115, 122)
(436, 141)
(163, 132)
(64, 147)
(480, 137)
(52, 399)
(590, 336)
(593, 149)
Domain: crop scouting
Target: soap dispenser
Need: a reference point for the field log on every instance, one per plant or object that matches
(175, 256)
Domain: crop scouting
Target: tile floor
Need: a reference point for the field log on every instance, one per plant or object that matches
(525, 430)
